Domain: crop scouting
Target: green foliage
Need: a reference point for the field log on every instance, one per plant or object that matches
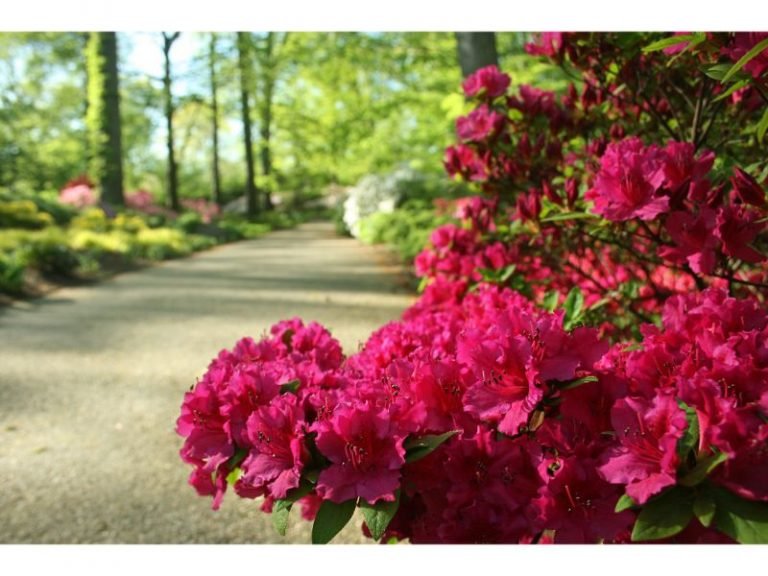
(378, 516)
(419, 447)
(407, 230)
(23, 214)
(664, 515)
(743, 520)
(12, 267)
(330, 520)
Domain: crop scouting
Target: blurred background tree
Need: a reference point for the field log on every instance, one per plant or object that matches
(323, 108)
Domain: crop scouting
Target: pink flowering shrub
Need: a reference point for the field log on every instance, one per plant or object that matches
(206, 209)
(79, 193)
(588, 359)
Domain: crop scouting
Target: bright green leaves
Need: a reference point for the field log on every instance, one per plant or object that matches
(567, 216)
(668, 514)
(702, 469)
(378, 516)
(744, 60)
(330, 520)
(282, 508)
(574, 308)
(704, 508)
(624, 503)
(688, 39)
(664, 516)
(762, 127)
(743, 520)
(421, 446)
(690, 439)
(290, 387)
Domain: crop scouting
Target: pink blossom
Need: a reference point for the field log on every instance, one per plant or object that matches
(277, 453)
(366, 454)
(626, 186)
(486, 82)
(479, 125)
(646, 460)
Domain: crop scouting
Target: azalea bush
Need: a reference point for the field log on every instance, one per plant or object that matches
(587, 361)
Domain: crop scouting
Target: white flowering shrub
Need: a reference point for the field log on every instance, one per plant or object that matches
(376, 193)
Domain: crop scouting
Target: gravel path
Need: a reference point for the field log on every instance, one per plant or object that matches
(92, 378)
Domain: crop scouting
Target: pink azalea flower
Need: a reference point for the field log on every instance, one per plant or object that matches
(481, 124)
(366, 454)
(487, 82)
(737, 228)
(626, 186)
(646, 459)
(694, 239)
(277, 453)
(578, 505)
(747, 189)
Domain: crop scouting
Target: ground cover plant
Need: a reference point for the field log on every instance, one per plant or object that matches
(587, 362)
(71, 237)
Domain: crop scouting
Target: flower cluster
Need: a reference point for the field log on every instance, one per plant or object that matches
(708, 357)
(79, 193)
(588, 359)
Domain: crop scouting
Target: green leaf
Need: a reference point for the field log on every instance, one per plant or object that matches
(624, 503)
(291, 386)
(233, 476)
(573, 306)
(378, 516)
(550, 301)
(577, 382)
(762, 127)
(330, 520)
(282, 508)
(280, 512)
(702, 469)
(704, 508)
(564, 216)
(669, 41)
(718, 71)
(690, 439)
(235, 460)
(664, 516)
(418, 447)
(733, 88)
(744, 60)
(743, 520)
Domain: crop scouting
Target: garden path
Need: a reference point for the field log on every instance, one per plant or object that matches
(92, 378)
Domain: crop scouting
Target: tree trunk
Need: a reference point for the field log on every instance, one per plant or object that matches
(266, 116)
(103, 116)
(244, 64)
(476, 50)
(215, 124)
(173, 177)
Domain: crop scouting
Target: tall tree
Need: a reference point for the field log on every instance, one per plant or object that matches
(173, 172)
(245, 68)
(476, 50)
(269, 70)
(215, 119)
(103, 116)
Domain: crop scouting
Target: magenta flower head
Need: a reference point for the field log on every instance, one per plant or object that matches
(366, 454)
(486, 82)
(627, 184)
(276, 458)
(481, 124)
(647, 430)
(747, 189)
